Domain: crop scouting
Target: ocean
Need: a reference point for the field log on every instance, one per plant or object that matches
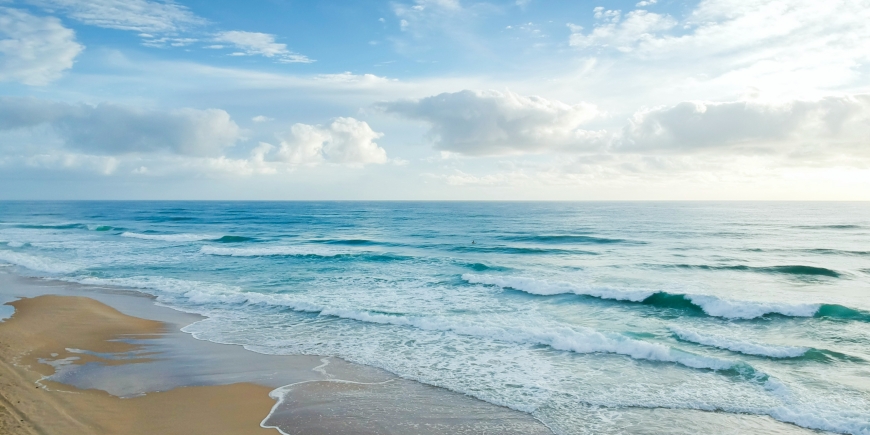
(594, 317)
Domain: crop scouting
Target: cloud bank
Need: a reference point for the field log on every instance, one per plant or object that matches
(492, 122)
(111, 129)
(831, 125)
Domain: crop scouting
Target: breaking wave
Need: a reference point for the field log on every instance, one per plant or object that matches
(709, 305)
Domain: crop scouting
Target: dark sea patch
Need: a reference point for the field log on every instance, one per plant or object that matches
(834, 311)
(674, 302)
(234, 239)
(569, 239)
(348, 242)
(518, 250)
(828, 356)
(480, 267)
(829, 227)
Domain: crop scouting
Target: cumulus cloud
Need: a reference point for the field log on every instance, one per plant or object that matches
(830, 125)
(260, 44)
(493, 122)
(34, 50)
(345, 141)
(111, 129)
(137, 15)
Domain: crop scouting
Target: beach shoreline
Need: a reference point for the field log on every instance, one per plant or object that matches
(91, 360)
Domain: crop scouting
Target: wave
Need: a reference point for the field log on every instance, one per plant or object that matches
(234, 239)
(830, 227)
(102, 228)
(740, 346)
(837, 252)
(69, 226)
(182, 237)
(477, 249)
(548, 288)
(271, 251)
(581, 340)
(569, 238)
(349, 242)
(709, 305)
(787, 269)
(38, 264)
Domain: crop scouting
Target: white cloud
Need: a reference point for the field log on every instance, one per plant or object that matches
(493, 122)
(111, 129)
(785, 50)
(623, 34)
(260, 44)
(34, 50)
(645, 3)
(261, 118)
(135, 15)
(345, 141)
(830, 126)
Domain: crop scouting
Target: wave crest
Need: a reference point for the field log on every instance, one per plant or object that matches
(709, 305)
(39, 264)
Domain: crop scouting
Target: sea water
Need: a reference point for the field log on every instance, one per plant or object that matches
(577, 313)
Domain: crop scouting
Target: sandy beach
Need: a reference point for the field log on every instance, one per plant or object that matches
(41, 333)
(71, 364)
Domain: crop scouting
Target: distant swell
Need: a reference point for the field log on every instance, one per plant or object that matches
(734, 345)
(788, 269)
(709, 305)
(183, 237)
(71, 226)
(568, 239)
(271, 251)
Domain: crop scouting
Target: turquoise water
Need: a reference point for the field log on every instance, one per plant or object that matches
(573, 312)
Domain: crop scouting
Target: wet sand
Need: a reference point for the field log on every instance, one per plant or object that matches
(115, 363)
(49, 331)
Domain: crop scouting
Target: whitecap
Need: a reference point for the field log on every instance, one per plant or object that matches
(39, 264)
(547, 288)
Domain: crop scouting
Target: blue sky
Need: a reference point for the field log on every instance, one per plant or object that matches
(435, 99)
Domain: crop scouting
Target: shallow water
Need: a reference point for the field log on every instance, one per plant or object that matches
(593, 317)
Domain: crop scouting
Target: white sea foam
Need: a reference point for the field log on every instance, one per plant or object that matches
(547, 288)
(579, 340)
(711, 305)
(15, 244)
(271, 251)
(39, 264)
(183, 237)
(732, 309)
(745, 347)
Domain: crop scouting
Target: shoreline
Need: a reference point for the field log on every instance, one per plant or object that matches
(145, 357)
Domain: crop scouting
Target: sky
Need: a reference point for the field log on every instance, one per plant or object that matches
(435, 100)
